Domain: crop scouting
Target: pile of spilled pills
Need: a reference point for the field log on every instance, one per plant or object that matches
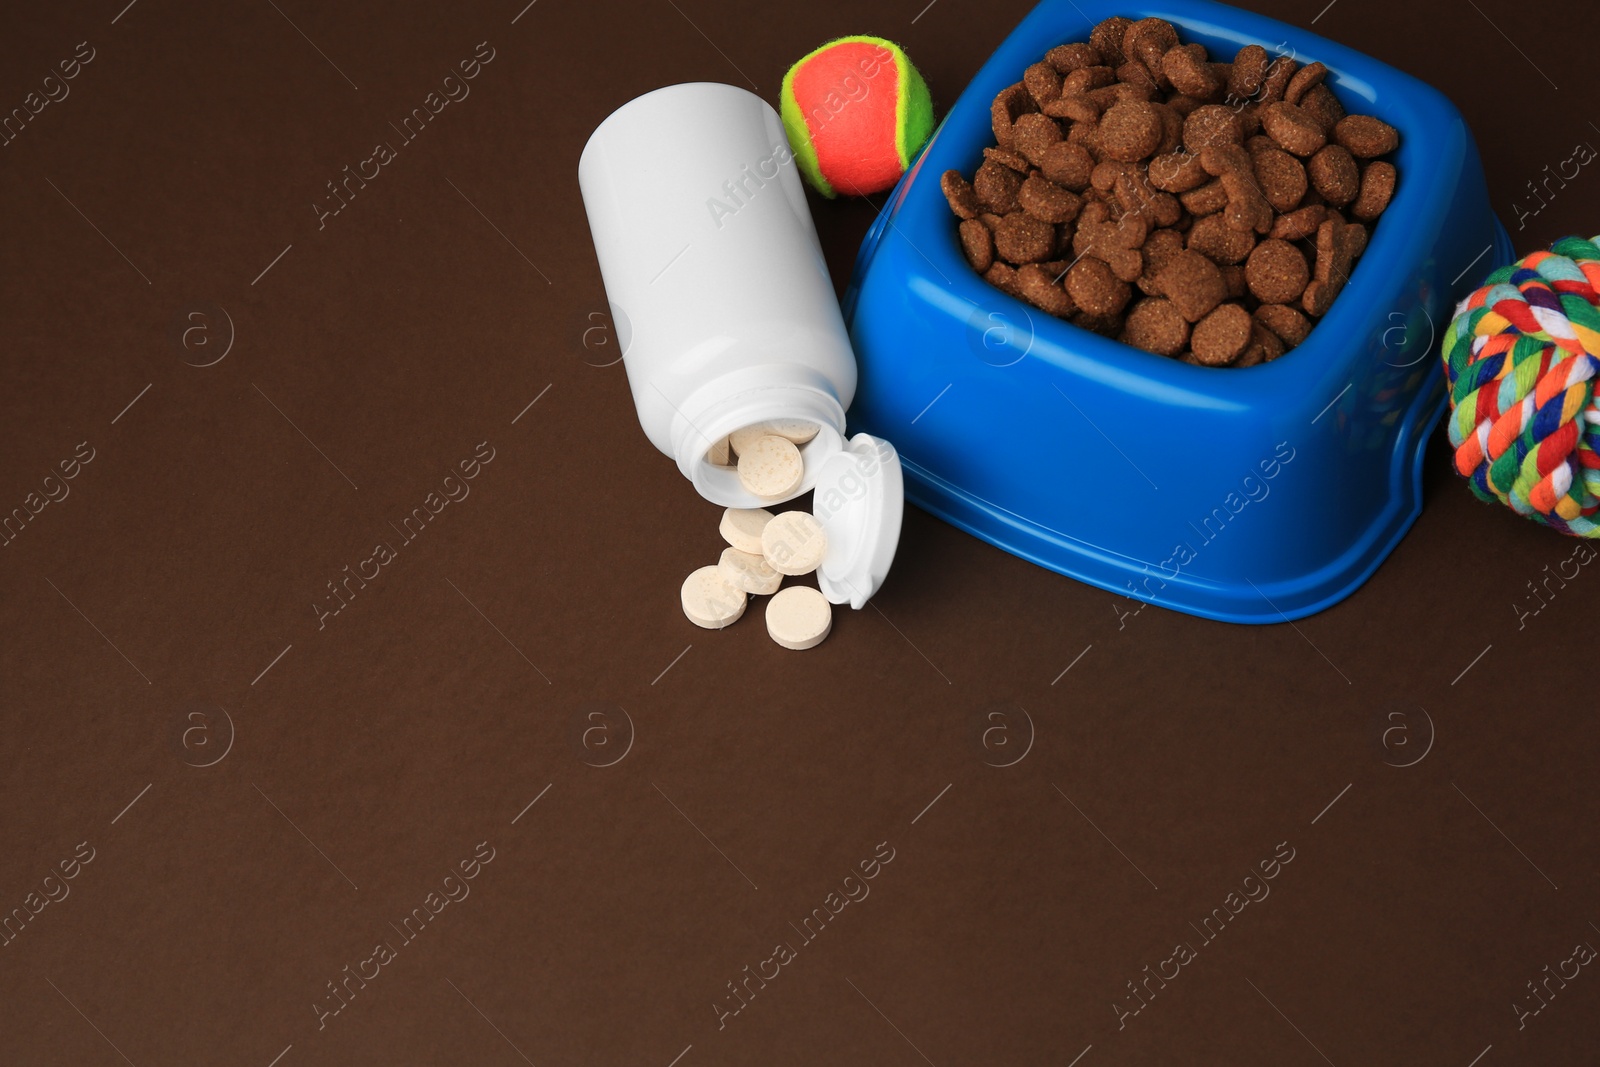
(764, 548)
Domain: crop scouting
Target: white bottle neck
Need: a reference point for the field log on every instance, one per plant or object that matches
(743, 398)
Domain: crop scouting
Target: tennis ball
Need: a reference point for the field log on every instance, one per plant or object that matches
(856, 112)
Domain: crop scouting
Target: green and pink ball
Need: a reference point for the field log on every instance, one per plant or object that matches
(856, 112)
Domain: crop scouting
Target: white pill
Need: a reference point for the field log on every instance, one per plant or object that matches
(771, 467)
(741, 528)
(799, 617)
(744, 439)
(710, 600)
(794, 543)
(718, 455)
(749, 571)
(797, 430)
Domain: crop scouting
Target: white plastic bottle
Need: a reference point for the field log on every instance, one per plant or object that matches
(725, 312)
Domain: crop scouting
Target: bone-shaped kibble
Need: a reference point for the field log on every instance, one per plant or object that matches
(1247, 206)
(1336, 250)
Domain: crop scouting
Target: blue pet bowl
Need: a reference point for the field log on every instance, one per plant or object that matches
(1252, 495)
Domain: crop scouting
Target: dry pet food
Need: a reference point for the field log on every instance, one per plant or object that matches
(1201, 209)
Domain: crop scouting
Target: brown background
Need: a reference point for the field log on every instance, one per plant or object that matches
(376, 752)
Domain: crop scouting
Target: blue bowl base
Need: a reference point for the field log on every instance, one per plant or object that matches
(1282, 601)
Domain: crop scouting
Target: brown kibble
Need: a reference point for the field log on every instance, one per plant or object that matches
(1260, 142)
(1095, 289)
(1135, 194)
(958, 191)
(1120, 92)
(1221, 336)
(996, 187)
(1043, 199)
(1211, 124)
(1250, 120)
(1003, 276)
(1132, 72)
(1319, 296)
(1067, 165)
(1220, 159)
(1039, 286)
(1147, 40)
(1067, 58)
(1104, 177)
(1220, 242)
(1177, 172)
(1280, 72)
(1249, 71)
(1271, 342)
(1193, 284)
(1008, 158)
(1104, 325)
(1221, 72)
(1281, 177)
(1031, 134)
(1300, 223)
(1294, 130)
(1086, 134)
(1322, 105)
(1106, 39)
(1334, 175)
(1304, 80)
(1183, 106)
(1276, 272)
(1284, 321)
(1156, 326)
(1113, 241)
(1366, 136)
(1009, 104)
(1264, 345)
(1020, 238)
(1247, 208)
(1043, 83)
(1355, 239)
(977, 244)
(1186, 68)
(1087, 79)
(1158, 250)
(1205, 200)
(989, 219)
(1255, 353)
(1332, 270)
(1233, 277)
(1171, 128)
(1377, 187)
(1079, 107)
(1130, 131)
(1127, 264)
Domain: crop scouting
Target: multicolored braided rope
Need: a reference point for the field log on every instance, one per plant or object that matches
(1520, 358)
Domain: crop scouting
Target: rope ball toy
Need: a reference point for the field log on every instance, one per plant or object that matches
(1520, 358)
